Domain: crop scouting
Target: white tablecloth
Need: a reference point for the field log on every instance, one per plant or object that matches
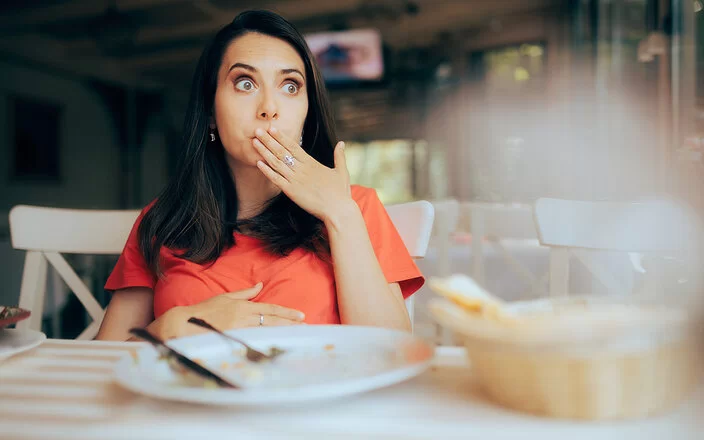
(65, 390)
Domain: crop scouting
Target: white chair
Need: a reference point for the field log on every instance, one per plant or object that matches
(414, 222)
(45, 234)
(580, 229)
(490, 223)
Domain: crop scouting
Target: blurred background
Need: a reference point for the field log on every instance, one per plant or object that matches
(485, 103)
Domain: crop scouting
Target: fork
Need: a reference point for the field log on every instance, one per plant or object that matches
(182, 360)
(252, 354)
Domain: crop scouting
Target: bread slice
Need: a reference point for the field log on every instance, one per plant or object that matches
(470, 296)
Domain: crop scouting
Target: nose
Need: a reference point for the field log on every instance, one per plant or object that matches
(268, 109)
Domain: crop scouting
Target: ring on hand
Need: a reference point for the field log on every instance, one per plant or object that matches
(288, 160)
(261, 319)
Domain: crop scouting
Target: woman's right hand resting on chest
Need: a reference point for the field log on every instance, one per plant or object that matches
(133, 307)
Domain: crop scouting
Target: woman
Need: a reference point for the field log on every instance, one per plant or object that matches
(260, 226)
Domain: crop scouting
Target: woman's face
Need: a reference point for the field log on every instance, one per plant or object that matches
(261, 83)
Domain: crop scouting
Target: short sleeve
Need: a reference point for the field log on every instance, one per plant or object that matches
(395, 261)
(131, 269)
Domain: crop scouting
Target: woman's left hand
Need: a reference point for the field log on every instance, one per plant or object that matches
(311, 185)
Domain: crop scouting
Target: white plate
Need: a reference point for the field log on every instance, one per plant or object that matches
(13, 341)
(321, 362)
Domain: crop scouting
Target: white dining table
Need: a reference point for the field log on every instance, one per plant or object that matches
(65, 390)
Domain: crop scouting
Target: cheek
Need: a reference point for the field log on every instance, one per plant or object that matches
(231, 115)
(303, 112)
(293, 116)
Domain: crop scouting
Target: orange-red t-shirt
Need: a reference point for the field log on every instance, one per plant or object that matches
(301, 280)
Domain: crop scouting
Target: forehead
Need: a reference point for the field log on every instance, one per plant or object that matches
(263, 52)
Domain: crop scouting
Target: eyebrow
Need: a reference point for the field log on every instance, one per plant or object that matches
(254, 69)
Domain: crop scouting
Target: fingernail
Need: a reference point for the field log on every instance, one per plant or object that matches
(301, 316)
(259, 285)
(272, 129)
(342, 145)
(259, 132)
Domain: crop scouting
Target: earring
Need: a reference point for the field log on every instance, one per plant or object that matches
(212, 136)
(300, 141)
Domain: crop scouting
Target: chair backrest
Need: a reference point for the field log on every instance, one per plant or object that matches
(578, 228)
(46, 233)
(414, 222)
(649, 226)
(71, 231)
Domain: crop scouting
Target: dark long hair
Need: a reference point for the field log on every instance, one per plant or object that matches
(196, 213)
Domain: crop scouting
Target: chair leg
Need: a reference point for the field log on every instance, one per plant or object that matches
(559, 272)
(33, 290)
(58, 286)
(612, 284)
(90, 332)
(477, 231)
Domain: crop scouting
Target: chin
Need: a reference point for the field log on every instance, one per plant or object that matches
(251, 159)
(246, 156)
(247, 161)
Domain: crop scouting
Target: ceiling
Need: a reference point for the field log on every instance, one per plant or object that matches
(155, 43)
